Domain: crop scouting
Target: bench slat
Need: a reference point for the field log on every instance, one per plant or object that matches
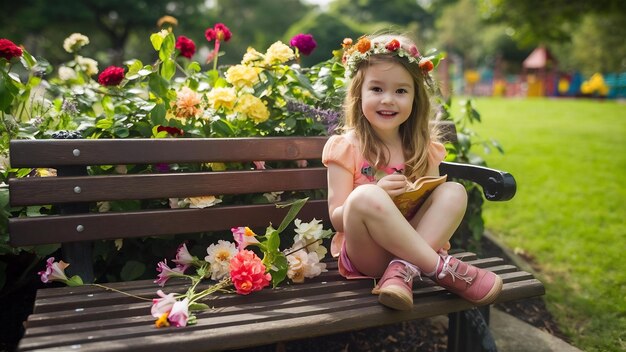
(29, 191)
(55, 153)
(111, 226)
(345, 309)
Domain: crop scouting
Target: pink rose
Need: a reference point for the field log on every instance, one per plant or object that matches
(247, 272)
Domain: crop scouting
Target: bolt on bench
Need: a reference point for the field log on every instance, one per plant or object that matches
(88, 318)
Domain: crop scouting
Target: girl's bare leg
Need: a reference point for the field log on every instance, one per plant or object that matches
(441, 214)
(376, 232)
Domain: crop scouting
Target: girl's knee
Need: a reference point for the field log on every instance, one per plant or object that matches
(368, 198)
(453, 194)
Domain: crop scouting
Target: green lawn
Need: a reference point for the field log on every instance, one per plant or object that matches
(569, 213)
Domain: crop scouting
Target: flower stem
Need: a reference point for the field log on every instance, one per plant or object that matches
(122, 292)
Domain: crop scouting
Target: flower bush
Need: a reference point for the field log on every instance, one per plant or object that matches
(267, 94)
(228, 264)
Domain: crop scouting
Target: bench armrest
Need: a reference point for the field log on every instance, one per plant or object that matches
(497, 185)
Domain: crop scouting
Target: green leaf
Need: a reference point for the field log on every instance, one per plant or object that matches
(45, 250)
(156, 40)
(282, 265)
(74, 281)
(222, 128)
(198, 307)
(291, 214)
(167, 47)
(168, 68)
(158, 85)
(157, 115)
(132, 270)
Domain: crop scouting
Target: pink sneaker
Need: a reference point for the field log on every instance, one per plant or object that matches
(395, 288)
(476, 285)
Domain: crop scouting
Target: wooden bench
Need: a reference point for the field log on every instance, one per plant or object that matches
(88, 318)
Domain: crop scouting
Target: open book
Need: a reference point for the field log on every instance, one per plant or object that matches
(417, 193)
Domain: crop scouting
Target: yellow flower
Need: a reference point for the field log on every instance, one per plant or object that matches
(222, 97)
(242, 76)
(203, 202)
(187, 103)
(74, 42)
(172, 21)
(162, 321)
(249, 106)
(251, 56)
(217, 166)
(278, 53)
(89, 66)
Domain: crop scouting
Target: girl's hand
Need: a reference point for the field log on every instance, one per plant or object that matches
(394, 184)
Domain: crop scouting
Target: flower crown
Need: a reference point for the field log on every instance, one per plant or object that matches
(364, 48)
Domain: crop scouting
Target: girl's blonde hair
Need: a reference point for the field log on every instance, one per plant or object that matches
(416, 132)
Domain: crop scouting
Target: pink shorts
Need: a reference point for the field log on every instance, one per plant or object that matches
(346, 268)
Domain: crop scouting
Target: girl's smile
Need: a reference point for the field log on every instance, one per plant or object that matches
(387, 96)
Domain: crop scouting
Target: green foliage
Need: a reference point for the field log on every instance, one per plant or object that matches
(567, 217)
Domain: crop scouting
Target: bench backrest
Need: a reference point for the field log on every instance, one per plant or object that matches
(73, 190)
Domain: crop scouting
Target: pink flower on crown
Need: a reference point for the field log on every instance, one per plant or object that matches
(247, 272)
(55, 271)
(180, 313)
(414, 52)
(393, 45)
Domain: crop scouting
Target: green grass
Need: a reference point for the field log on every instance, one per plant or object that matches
(569, 213)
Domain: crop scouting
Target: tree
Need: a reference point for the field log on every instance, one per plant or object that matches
(46, 23)
(539, 20)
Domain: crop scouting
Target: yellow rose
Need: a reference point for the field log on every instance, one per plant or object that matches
(251, 56)
(249, 106)
(242, 76)
(222, 97)
(278, 53)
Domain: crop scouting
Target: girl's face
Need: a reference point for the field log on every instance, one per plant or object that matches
(387, 96)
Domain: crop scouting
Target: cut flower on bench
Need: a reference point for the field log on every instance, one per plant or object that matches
(227, 265)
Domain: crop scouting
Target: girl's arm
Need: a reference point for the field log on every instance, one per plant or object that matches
(340, 184)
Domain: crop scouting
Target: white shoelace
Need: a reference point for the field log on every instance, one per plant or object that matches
(447, 268)
(410, 271)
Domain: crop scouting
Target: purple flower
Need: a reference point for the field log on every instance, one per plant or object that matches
(55, 271)
(166, 272)
(304, 42)
(183, 257)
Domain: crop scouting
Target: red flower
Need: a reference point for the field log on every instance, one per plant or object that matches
(426, 65)
(218, 32)
(111, 76)
(186, 46)
(247, 272)
(173, 131)
(304, 42)
(9, 50)
(393, 45)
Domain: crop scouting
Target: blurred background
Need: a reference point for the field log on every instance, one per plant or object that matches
(494, 47)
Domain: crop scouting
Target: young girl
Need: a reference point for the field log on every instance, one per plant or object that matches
(387, 140)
